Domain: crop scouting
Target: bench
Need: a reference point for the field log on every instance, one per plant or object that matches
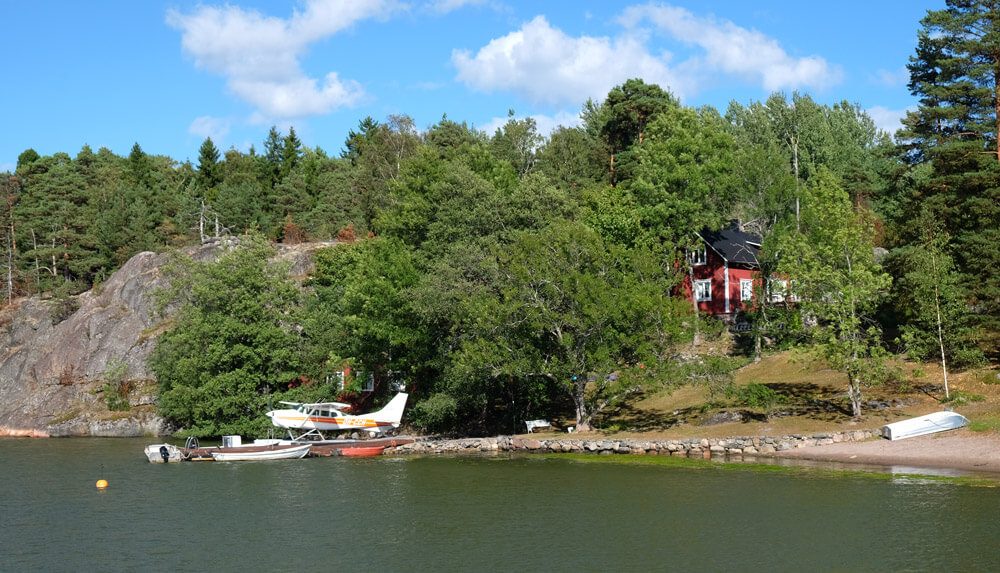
(532, 424)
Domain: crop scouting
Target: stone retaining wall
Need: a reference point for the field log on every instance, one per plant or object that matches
(690, 447)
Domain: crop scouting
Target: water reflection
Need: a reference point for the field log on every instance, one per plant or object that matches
(529, 513)
(864, 467)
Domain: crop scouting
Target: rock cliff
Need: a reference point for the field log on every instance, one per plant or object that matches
(52, 373)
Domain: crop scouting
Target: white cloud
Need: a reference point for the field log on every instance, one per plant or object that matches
(545, 124)
(893, 79)
(259, 55)
(736, 51)
(207, 126)
(446, 6)
(544, 65)
(888, 120)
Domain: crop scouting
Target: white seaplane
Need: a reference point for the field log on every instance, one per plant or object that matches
(329, 416)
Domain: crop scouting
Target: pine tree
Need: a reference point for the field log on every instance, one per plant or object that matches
(955, 73)
(209, 172)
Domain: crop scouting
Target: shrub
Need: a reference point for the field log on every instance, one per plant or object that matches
(117, 386)
(437, 413)
(756, 396)
(959, 397)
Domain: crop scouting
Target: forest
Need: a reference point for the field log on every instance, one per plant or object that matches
(498, 277)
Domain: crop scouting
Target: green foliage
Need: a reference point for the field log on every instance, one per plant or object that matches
(117, 387)
(959, 398)
(756, 396)
(623, 118)
(595, 318)
(234, 340)
(437, 413)
(511, 276)
(931, 300)
(831, 259)
(953, 136)
(208, 165)
(681, 174)
(986, 424)
(361, 308)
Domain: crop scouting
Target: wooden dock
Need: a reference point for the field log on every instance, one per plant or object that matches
(318, 448)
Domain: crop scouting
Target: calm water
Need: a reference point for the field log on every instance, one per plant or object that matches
(471, 514)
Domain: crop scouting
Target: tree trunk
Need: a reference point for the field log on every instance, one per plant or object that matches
(854, 393)
(583, 417)
(940, 334)
(694, 304)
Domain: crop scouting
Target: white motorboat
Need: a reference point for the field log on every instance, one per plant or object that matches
(163, 453)
(251, 453)
(928, 424)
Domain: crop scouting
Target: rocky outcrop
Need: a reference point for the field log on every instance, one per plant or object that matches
(51, 373)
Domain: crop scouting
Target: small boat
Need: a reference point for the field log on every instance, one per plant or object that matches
(362, 452)
(249, 454)
(933, 422)
(163, 453)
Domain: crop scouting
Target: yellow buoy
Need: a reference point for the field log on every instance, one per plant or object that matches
(102, 483)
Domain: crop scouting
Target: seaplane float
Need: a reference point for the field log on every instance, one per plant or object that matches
(309, 421)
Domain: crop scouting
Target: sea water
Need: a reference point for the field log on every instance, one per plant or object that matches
(521, 513)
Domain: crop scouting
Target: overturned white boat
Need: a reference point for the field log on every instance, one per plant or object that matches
(928, 424)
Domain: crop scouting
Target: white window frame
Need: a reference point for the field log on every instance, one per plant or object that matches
(698, 256)
(703, 290)
(746, 289)
(793, 295)
(368, 383)
(777, 290)
(338, 376)
(396, 381)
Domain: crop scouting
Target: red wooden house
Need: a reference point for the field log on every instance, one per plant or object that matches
(724, 270)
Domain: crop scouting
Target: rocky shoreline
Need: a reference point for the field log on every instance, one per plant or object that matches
(689, 447)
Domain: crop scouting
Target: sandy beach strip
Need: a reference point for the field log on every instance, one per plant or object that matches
(957, 449)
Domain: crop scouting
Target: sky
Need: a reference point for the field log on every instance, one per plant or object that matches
(166, 75)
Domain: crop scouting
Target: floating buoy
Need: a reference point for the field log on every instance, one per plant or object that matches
(102, 483)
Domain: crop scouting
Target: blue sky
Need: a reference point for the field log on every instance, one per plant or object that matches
(169, 74)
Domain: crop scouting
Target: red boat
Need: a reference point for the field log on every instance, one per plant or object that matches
(363, 452)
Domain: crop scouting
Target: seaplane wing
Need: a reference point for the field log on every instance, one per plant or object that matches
(314, 405)
(314, 419)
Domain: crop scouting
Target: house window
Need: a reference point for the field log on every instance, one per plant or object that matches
(368, 383)
(793, 294)
(396, 381)
(778, 290)
(703, 290)
(337, 377)
(698, 256)
(746, 289)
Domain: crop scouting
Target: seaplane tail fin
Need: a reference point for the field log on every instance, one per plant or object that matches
(393, 411)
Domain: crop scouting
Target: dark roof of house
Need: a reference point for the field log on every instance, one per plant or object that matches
(733, 244)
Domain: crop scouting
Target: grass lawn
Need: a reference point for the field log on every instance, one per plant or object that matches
(813, 400)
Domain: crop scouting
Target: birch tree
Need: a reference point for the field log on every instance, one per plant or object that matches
(831, 267)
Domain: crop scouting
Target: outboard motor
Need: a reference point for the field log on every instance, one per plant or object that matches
(164, 453)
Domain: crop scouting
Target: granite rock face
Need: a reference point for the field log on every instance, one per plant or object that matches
(52, 373)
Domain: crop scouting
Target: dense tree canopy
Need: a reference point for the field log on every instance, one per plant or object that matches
(951, 143)
(510, 275)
